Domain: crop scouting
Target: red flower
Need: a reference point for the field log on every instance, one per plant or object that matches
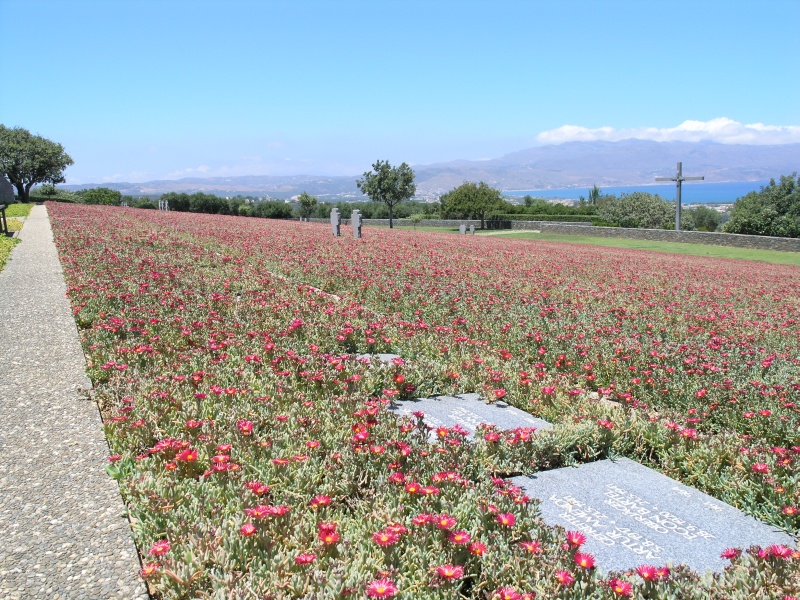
(506, 593)
(575, 539)
(499, 393)
(328, 534)
(450, 572)
(148, 570)
(477, 548)
(762, 468)
(385, 538)
(620, 587)
(445, 522)
(247, 529)
(460, 537)
(320, 500)
(160, 548)
(534, 546)
(565, 578)
(584, 561)
(187, 455)
(647, 572)
(506, 519)
(790, 510)
(382, 588)
(305, 559)
(730, 553)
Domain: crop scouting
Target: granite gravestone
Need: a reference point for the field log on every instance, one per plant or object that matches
(632, 515)
(336, 222)
(462, 229)
(468, 411)
(6, 191)
(356, 221)
(380, 358)
(472, 229)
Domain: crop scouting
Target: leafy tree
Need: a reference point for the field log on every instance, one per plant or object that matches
(272, 209)
(27, 160)
(637, 209)
(48, 189)
(387, 184)
(705, 219)
(775, 210)
(101, 195)
(473, 201)
(307, 204)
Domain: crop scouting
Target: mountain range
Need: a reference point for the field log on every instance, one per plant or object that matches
(571, 164)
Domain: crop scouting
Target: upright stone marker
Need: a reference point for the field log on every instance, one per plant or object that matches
(6, 191)
(632, 515)
(472, 229)
(336, 222)
(468, 411)
(356, 221)
(462, 229)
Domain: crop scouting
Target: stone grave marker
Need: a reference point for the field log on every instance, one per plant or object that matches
(468, 411)
(462, 229)
(380, 358)
(336, 222)
(6, 191)
(472, 229)
(356, 221)
(632, 515)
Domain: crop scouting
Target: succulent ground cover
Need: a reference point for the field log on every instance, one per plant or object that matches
(257, 457)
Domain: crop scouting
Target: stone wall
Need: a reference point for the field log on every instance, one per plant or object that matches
(735, 240)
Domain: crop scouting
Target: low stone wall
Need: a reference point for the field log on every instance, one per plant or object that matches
(735, 240)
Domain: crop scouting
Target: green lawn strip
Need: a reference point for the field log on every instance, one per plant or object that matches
(770, 256)
(18, 210)
(6, 245)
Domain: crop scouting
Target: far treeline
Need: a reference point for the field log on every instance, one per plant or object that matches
(28, 160)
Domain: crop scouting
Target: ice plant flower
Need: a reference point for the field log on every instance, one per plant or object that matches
(385, 538)
(565, 578)
(621, 587)
(506, 593)
(247, 529)
(575, 539)
(459, 537)
(533, 546)
(584, 560)
(160, 548)
(305, 558)
(477, 548)
(328, 534)
(450, 572)
(506, 519)
(382, 588)
(445, 522)
(148, 570)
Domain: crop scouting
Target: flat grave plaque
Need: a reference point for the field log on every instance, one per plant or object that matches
(378, 358)
(632, 515)
(468, 411)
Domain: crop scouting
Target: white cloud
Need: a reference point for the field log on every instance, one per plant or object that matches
(201, 170)
(722, 130)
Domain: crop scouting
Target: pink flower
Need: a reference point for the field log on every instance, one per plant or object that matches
(477, 548)
(450, 572)
(730, 553)
(647, 572)
(506, 519)
(305, 559)
(382, 588)
(385, 538)
(460, 537)
(160, 548)
(247, 529)
(148, 570)
(584, 561)
(506, 593)
(534, 546)
(575, 539)
(565, 578)
(445, 522)
(620, 587)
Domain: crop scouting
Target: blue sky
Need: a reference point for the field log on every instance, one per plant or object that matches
(141, 90)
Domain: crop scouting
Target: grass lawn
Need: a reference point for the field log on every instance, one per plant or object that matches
(18, 210)
(6, 244)
(769, 256)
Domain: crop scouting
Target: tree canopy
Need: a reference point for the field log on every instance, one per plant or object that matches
(27, 160)
(775, 210)
(306, 204)
(101, 195)
(472, 201)
(637, 209)
(388, 184)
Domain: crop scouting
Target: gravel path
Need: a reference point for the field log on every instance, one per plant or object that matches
(63, 533)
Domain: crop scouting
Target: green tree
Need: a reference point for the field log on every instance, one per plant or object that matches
(594, 195)
(27, 160)
(775, 210)
(473, 201)
(307, 204)
(388, 184)
(705, 219)
(101, 195)
(637, 209)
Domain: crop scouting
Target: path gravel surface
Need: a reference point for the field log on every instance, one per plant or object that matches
(63, 530)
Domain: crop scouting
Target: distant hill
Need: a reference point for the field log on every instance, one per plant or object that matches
(572, 164)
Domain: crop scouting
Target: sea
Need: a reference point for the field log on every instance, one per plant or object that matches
(691, 192)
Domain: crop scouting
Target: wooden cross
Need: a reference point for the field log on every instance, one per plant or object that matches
(678, 179)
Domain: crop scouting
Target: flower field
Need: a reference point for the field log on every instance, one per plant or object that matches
(257, 456)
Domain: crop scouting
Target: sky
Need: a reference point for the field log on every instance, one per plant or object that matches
(165, 89)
